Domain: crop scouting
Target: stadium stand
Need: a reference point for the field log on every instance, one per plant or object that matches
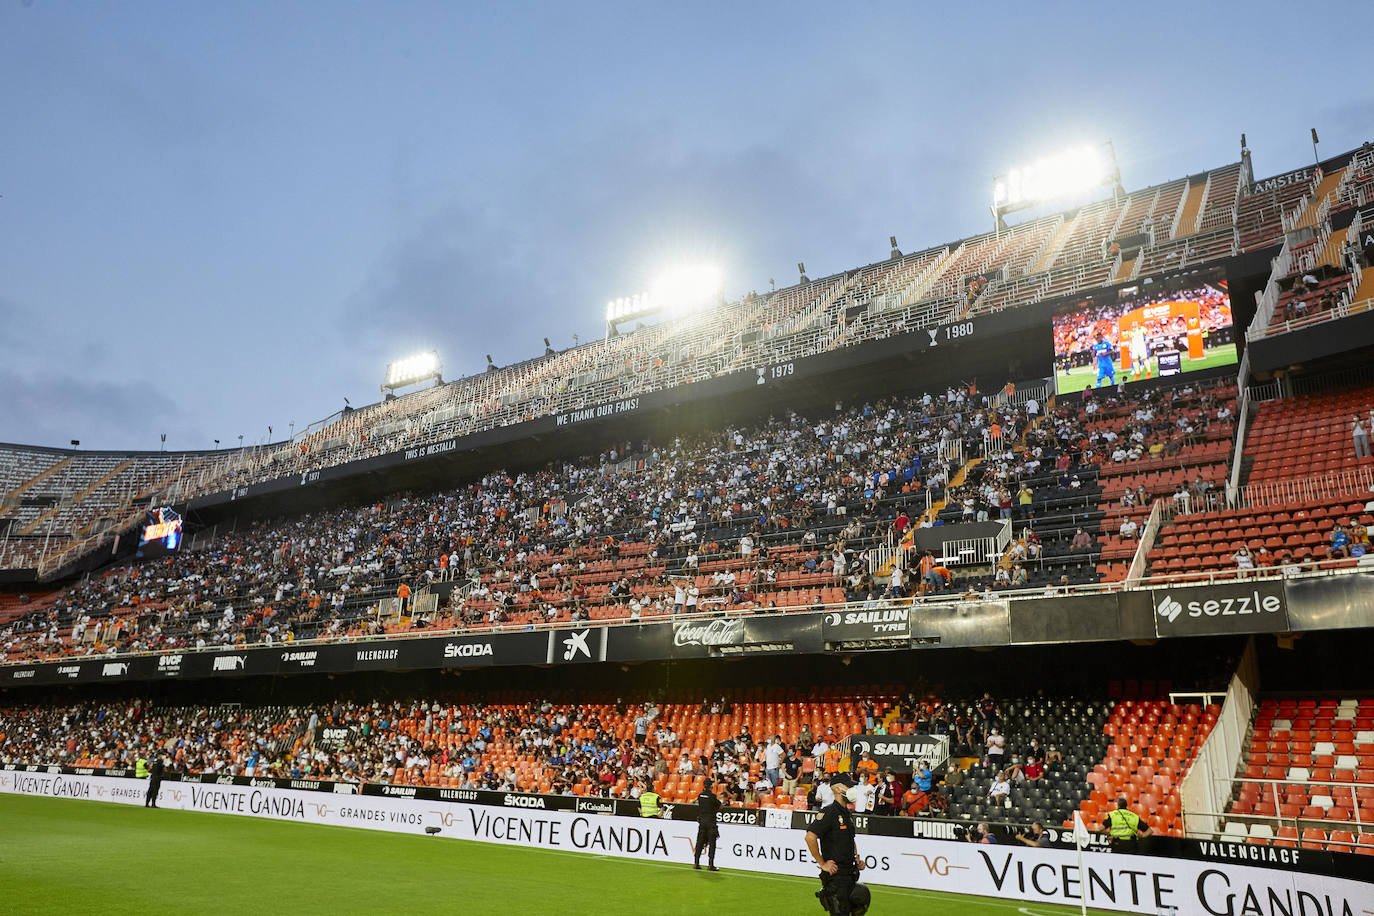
(1307, 776)
(1186, 222)
(582, 555)
(1153, 742)
(522, 742)
(1308, 434)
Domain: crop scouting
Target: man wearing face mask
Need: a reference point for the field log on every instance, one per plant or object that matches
(830, 839)
(885, 804)
(922, 776)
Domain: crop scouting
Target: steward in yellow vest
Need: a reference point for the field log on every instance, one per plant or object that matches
(1125, 827)
(648, 803)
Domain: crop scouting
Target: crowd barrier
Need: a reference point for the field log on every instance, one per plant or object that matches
(1231, 881)
(1277, 604)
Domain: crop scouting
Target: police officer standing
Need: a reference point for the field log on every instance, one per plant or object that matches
(708, 829)
(1126, 827)
(154, 781)
(831, 841)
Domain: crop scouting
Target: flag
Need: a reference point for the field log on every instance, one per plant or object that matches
(1082, 837)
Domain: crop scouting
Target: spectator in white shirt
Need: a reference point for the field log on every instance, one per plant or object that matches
(772, 761)
(996, 746)
(863, 794)
(1000, 790)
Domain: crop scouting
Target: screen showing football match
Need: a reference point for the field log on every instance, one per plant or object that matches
(1144, 331)
(161, 533)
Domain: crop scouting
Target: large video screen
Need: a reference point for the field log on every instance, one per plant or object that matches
(1153, 329)
(161, 533)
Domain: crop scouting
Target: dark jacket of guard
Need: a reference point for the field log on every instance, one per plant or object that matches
(708, 830)
(155, 770)
(840, 894)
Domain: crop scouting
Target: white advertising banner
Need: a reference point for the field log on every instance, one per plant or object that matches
(1132, 884)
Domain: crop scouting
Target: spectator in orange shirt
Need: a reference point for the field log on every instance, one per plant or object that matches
(403, 597)
(913, 800)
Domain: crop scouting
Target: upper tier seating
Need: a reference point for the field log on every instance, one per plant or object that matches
(1308, 435)
(1205, 543)
(617, 532)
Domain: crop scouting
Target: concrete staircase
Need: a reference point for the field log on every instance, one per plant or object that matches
(36, 479)
(1061, 235)
(58, 507)
(1329, 183)
(1126, 270)
(1366, 288)
(1192, 208)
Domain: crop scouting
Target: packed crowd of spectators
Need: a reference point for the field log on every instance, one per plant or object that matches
(612, 750)
(795, 494)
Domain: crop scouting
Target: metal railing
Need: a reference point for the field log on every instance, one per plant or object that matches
(1206, 786)
(1140, 562)
(1244, 408)
(1290, 572)
(1343, 310)
(1308, 490)
(970, 551)
(1339, 793)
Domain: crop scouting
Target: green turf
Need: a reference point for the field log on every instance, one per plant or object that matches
(1081, 377)
(71, 857)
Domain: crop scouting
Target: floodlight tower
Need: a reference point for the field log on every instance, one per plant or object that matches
(412, 370)
(680, 290)
(1071, 172)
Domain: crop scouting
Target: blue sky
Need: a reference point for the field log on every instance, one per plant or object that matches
(220, 217)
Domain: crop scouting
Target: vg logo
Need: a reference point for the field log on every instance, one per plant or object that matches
(937, 865)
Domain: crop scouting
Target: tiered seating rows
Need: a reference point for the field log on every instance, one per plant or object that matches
(1317, 748)
(1308, 435)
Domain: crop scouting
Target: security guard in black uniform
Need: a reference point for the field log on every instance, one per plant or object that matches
(831, 841)
(708, 829)
(155, 770)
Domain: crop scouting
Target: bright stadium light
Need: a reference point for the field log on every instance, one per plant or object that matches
(412, 369)
(1060, 177)
(687, 287)
(679, 290)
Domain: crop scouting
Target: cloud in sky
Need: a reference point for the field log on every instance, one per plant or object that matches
(218, 219)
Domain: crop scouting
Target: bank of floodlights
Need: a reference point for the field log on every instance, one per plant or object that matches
(680, 290)
(1059, 178)
(413, 370)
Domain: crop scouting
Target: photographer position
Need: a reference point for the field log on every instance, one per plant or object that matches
(1035, 836)
(978, 833)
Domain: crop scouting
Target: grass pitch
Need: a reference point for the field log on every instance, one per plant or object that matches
(1081, 377)
(72, 857)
